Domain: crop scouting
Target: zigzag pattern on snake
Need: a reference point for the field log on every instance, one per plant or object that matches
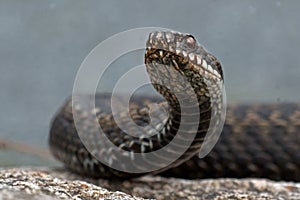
(258, 140)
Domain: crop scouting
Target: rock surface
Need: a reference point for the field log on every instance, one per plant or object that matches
(39, 184)
(44, 183)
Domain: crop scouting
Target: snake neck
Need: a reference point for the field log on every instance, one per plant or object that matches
(187, 96)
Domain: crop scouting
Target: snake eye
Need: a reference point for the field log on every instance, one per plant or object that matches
(190, 41)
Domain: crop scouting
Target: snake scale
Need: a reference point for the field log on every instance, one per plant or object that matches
(257, 140)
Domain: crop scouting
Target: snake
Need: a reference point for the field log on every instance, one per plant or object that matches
(257, 140)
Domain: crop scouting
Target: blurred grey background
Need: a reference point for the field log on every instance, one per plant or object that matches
(42, 44)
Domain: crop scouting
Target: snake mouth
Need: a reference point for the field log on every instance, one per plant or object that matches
(183, 52)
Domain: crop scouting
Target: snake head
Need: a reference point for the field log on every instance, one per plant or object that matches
(184, 53)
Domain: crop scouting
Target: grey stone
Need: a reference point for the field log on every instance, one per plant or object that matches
(39, 184)
(62, 184)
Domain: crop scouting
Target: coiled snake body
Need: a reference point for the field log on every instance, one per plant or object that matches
(257, 140)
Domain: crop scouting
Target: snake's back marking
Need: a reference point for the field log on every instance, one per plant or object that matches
(257, 140)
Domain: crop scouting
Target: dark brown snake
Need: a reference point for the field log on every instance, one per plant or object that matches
(258, 140)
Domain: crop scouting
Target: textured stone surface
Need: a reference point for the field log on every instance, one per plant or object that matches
(61, 184)
(39, 184)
